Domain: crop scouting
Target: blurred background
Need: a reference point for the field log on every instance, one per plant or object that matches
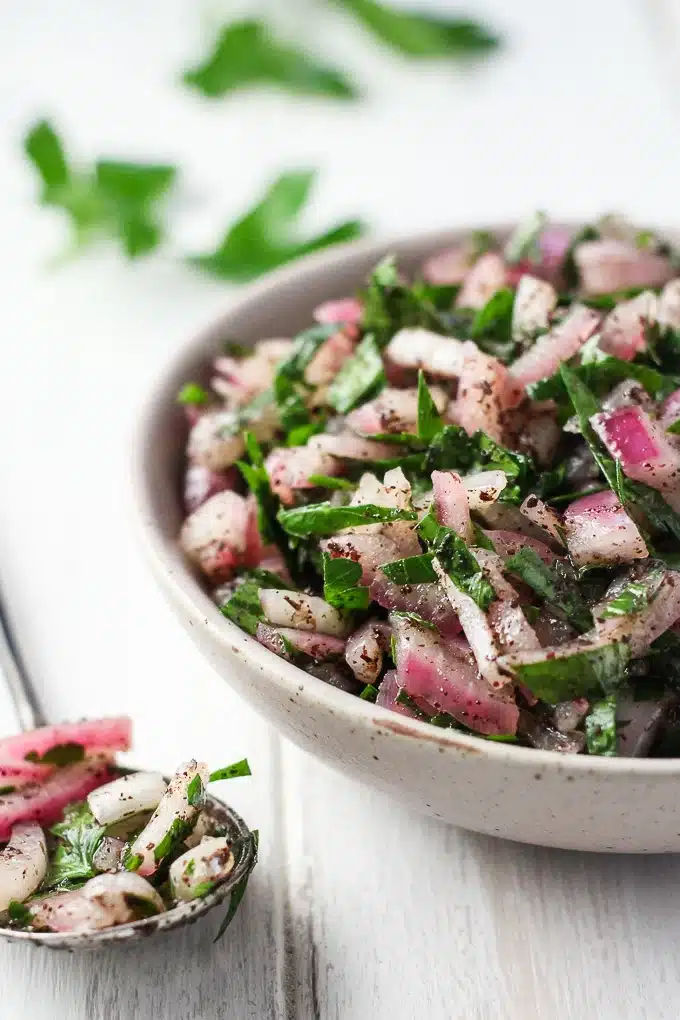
(410, 122)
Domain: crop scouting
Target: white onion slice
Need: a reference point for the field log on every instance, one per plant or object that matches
(484, 487)
(284, 608)
(195, 872)
(539, 513)
(135, 794)
(23, 863)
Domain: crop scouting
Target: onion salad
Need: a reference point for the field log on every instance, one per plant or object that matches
(457, 495)
(85, 845)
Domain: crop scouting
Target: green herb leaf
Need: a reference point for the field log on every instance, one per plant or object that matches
(600, 727)
(674, 429)
(246, 54)
(257, 480)
(414, 618)
(243, 608)
(412, 570)
(60, 755)
(264, 237)
(341, 586)
(329, 482)
(391, 305)
(235, 771)
(192, 393)
(423, 36)
(369, 693)
(361, 377)
(79, 836)
(429, 419)
(572, 671)
(553, 584)
(323, 519)
(492, 326)
(131, 862)
(112, 199)
(196, 792)
(524, 241)
(19, 914)
(633, 599)
(289, 382)
(453, 450)
(178, 831)
(457, 560)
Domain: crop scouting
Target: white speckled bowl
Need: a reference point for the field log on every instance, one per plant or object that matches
(576, 802)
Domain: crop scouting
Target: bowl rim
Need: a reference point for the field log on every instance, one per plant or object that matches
(170, 568)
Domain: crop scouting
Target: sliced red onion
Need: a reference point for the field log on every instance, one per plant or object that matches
(45, 803)
(425, 600)
(639, 630)
(216, 441)
(476, 628)
(625, 393)
(487, 276)
(668, 311)
(612, 265)
(329, 359)
(243, 379)
(109, 854)
(509, 625)
(200, 869)
(535, 301)
(103, 902)
(291, 468)
(94, 735)
(624, 331)
(484, 487)
(347, 309)
(200, 483)
(348, 446)
(215, 537)
(644, 450)
(134, 794)
(392, 412)
(600, 532)
(670, 410)
(174, 811)
(369, 550)
(364, 652)
(509, 543)
(449, 266)
(541, 735)
(444, 675)
(284, 608)
(388, 693)
(451, 503)
(562, 342)
(23, 863)
(485, 391)
(568, 715)
(318, 646)
(542, 515)
(420, 348)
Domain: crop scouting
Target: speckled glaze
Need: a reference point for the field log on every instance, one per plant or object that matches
(185, 913)
(575, 802)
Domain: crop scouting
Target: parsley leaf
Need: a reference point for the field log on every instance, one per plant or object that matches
(492, 326)
(453, 449)
(429, 419)
(361, 377)
(553, 584)
(633, 599)
(246, 54)
(243, 606)
(235, 771)
(257, 480)
(524, 240)
(111, 199)
(412, 570)
(264, 237)
(391, 305)
(600, 727)
(570, 671)
(423, 36)
(369, 693)
(324, 519)
(457, 560)
(192, 393)
(330, 482)
(79, 836)
(341, 586)
(60, 755)
(238, 892)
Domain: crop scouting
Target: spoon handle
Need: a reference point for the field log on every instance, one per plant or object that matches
(15, 677)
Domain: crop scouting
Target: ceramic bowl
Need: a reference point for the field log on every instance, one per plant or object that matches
(575, 802)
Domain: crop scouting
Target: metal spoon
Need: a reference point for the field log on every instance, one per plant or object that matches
(30, 716)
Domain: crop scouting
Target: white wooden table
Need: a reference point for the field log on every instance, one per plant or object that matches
(359, 909)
